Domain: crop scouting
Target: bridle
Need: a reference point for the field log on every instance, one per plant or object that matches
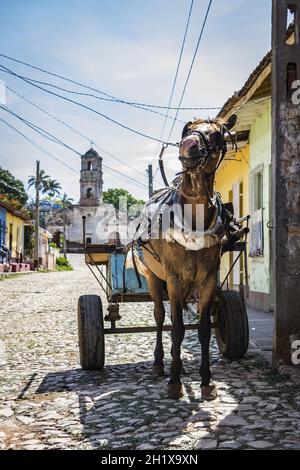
(206, 152)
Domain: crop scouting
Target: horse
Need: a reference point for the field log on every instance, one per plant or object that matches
(181, 270)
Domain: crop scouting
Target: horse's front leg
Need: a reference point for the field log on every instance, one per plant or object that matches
(177, 335)
(208, 391)
(156, 291)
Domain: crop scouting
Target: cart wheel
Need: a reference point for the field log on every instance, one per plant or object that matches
(91, 332)
(232, 333)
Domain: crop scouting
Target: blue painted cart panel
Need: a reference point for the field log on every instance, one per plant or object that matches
(115, 271)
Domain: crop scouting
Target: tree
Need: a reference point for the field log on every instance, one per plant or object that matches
(118, 196)
(47, 184)
(12, 187)
(53, 187)
(65, 202)
(43, 181)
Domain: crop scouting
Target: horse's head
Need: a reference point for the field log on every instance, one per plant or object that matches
(203, 143)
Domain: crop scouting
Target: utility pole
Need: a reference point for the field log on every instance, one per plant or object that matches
(150, 180)
(285, 180)
(37, 216)
(65, 222)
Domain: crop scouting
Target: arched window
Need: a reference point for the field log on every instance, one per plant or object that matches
(90, 166)
(89, 193)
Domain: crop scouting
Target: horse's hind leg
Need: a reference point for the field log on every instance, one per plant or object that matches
(208, 391)
(156, 291)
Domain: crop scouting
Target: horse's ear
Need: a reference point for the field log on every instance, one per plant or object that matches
(185, 129)
(231, 122)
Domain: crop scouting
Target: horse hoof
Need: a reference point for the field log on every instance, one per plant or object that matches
(208, 392)
(158, 370)
(175, 391)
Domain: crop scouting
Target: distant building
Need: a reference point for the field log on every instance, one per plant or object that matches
(13, 224)
(91, 179)
(99, 216)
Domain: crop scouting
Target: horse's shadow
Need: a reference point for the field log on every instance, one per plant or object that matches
(124, 406)
(129, 396)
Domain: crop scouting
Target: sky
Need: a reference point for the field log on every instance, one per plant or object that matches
(128, 49)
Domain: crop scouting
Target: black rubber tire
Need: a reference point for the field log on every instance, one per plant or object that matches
(233, 333)
(91, 332)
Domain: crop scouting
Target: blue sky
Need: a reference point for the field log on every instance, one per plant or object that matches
(128, 49)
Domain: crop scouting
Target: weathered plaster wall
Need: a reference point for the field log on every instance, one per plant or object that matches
(260, 154)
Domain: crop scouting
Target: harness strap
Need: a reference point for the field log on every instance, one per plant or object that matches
(161, 164)
(153, 252)
(135, 267)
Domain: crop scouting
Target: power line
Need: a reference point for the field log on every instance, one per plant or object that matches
(38, 146)
(191, 66)
(177, 68)
(90, 95)
(142, 134)
(89, 139)
(175, 79)
(40, 131)
(41, 149)
(112, 98)
(52, 138)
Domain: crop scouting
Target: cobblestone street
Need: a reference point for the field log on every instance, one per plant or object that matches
(48, 402)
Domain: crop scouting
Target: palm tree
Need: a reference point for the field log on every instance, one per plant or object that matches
(53, 187)
(43, 182)
(65, 202)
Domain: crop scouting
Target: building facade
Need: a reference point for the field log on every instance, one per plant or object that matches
(2, 225)
(99, 216)
(246, 177)
(12, 228)
(91, 179)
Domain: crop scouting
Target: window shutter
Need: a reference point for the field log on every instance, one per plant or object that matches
(256, 206)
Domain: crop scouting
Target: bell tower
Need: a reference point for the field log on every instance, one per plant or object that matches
(91, 181)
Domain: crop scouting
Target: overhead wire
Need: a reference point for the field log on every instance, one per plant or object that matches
(175, 79)
(124, 126)
(177, 68)
(113, 98)
(64, 123)
(191, 67)
(54, 139)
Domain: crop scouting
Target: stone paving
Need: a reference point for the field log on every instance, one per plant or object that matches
(48, 402)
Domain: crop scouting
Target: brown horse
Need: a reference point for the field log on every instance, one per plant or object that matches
(183, 270)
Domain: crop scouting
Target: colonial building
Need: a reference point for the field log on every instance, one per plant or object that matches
(244, 179)
(13, 224)
(100, 217)
(91, 179)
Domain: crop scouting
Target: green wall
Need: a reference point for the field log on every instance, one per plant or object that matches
(260, 154)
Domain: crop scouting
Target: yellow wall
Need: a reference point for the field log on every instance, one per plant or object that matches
(229, 173)
(17, 234)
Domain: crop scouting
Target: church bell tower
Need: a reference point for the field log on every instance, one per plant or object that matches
(91, 180)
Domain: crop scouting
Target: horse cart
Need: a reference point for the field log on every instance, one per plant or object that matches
(107, 264)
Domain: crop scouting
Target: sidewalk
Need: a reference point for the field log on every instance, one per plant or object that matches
(261, 332)
(12, 275)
